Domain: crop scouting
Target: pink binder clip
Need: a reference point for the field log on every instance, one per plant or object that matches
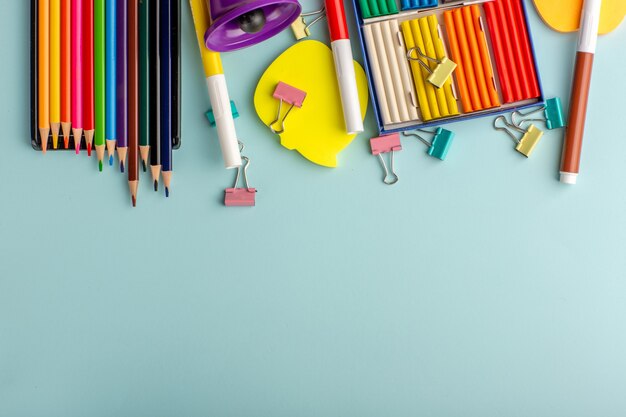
(387, 144)
(290, 95)
(240, 197)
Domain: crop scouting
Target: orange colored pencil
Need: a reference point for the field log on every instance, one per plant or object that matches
(456, 57)
(66, 72)
(43, 70)
(484, 56)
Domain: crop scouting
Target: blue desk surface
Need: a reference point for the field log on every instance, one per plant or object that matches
(479, 286)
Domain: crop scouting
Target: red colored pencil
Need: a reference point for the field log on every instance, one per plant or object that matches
(133, 98)
(77, 71)
(89, 109)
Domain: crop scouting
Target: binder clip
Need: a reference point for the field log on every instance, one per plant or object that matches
(240, 197)
(209, 114)
(442, 71)
(300, 28)
(529, 140)
(439, 145)
(387, 144)
(552, 113)
(290, 95)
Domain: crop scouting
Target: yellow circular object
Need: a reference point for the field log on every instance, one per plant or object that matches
(317, 129)
(564, 15)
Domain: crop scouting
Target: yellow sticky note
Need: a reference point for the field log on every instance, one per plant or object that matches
(564, 15)
(317, 129)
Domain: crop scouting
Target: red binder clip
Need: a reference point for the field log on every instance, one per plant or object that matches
(240, 197)
(387, 144)
(290, 95)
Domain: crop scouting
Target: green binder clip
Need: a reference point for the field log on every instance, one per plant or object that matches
(442, 71)
(211, 117)
(529, 139)
(552, 112)
(439, 145)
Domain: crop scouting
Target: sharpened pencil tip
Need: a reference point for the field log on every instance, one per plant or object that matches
(77, 149)
(145, 167)
(111, 160)
(100, 166)
(66, 142)
(167, 192)
(88, 149)
(134, 201)
(156, 185)
(122, 166)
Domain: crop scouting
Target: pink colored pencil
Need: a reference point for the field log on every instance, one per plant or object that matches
(89, 104)
(77, 72)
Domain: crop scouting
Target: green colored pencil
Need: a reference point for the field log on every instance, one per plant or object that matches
(100, 76)
(144, 79)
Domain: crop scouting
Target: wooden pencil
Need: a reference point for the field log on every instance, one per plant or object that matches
(122, 82)
(133, 98)
(111, 77)
(43, 71)
(89, 110)
(55, 71)
(100, 78)
(165, 58)
(144, 82)
(77, 73)
(154, 115)
(66, 71)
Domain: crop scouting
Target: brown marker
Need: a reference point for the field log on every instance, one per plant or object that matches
(589, 22)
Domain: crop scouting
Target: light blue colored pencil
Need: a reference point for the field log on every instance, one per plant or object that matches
(111, 82)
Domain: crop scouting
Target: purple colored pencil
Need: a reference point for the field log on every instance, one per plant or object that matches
(122, 81)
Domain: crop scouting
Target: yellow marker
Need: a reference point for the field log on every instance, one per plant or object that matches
(55, 70)
(216, 85)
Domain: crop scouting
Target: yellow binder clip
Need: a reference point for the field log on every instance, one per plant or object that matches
(300, 27)
(530, 137)
(442, 71)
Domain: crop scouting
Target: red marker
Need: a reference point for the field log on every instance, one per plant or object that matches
(344, 65)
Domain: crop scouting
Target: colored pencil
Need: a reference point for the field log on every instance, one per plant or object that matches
(154, 83)
(176, 70)
(89, 110)
(144, 81)
(133, 98)
(165, 58)
(100, 78)
(111, 77)
(122, 81)
(66, 71)
(55, 70)
(44, 72)
(77, 71)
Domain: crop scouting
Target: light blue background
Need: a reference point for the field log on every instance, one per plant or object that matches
(479, 286)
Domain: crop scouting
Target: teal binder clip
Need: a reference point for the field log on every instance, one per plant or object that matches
(439, 145)
(233, 109)
(552, 112)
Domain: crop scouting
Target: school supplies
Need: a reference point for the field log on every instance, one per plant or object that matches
(111, 77)
(530, 136)
(290, 95)
(44, 72)
(418, 4)
(440, 143)
(165, 90)
(133, 98)
(317, 129)
(217, 88)
(564, 15)
(66, 78)
(301, 29)
(241, 197)
(375, 8)
(154, 82)
(346, 77)
(241, 23)
(55, 71)
(387, 144)
(77, 73)
(572, 145)
(121, 78)
(211, 116)
(100, 78)
(89, 109)
(144, 82)
(441, 72)
(552, 115)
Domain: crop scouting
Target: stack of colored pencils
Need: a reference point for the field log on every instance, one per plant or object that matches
(107, 74)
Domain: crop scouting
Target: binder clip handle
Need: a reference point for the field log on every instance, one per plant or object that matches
(291, 95)
(387, 144)
(552, 112)
(506, 127)
(301, 29)
(240, 197)
(439, 145)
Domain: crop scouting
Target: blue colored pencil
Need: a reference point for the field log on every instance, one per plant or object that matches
(122, 81)
(165, 61)
(111, 83)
